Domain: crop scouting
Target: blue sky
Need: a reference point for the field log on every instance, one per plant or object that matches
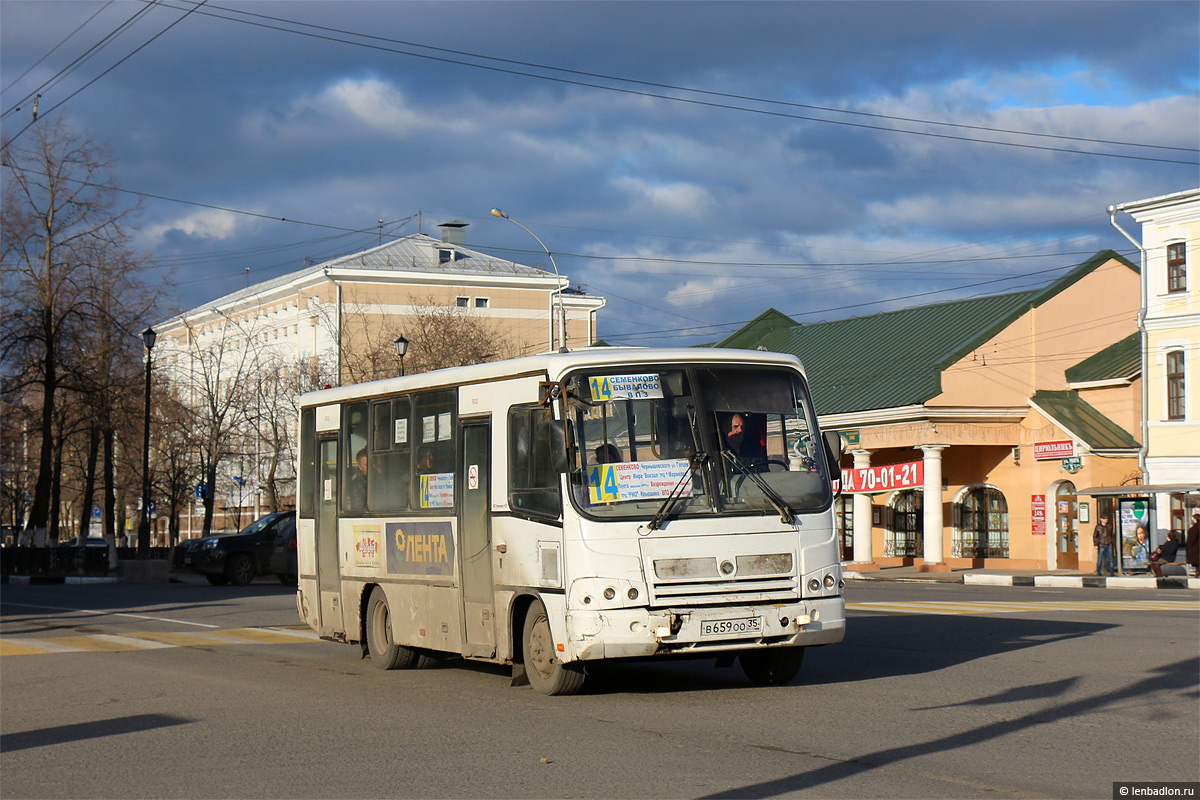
(776, 177)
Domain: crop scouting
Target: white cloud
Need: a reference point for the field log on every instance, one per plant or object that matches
(209, 224)
(683, 199)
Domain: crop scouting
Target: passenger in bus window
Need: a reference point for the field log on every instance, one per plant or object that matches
(424, 459)
(606, 453)
(733, 430)
(356, 488)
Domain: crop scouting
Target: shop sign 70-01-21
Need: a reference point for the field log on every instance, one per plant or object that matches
(884, 478)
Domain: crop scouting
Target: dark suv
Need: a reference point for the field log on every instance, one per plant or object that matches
(238, 558)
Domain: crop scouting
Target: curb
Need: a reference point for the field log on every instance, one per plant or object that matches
(1049, 581)
(49, 580)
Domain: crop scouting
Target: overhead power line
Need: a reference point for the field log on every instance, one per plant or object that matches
(328, 33)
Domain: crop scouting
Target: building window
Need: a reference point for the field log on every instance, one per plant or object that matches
(983, 523)
(843, 519)
(462, 302)
(1177, 267)
(905, 537)
(481, 302)
(1175, 385)
(445, 255)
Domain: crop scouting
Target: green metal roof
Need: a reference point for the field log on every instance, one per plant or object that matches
(895, 358)
(1119, 361)
(1084, 421)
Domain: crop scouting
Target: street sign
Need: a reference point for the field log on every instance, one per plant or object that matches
(1072, 464)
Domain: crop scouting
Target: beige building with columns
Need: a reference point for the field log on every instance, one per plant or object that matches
(971, 425)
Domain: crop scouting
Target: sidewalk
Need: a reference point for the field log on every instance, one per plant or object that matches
(1058, 578)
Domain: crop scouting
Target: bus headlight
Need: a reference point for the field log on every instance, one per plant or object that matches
(610, 593)
(829, 581)
(814, 585)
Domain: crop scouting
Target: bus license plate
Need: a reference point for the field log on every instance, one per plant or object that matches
(742, 626)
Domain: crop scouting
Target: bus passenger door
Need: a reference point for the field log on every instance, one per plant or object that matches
(329, 579)
(475, 540)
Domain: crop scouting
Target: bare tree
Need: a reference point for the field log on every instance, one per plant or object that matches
(63, 234)
(439, 336)
(216, 384)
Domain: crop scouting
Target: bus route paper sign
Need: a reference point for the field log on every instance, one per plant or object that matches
(637, 480)
(644, 386)
(437, 490)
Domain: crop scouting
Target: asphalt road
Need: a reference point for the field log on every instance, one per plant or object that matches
(938, 691)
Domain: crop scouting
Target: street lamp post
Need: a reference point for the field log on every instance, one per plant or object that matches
(562, 312)
(401, 349)
(143, 539)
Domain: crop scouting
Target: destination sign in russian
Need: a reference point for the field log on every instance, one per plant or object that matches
(437, 490)
(420, 548)
(871, 480)
(606, 388)
(637, 480)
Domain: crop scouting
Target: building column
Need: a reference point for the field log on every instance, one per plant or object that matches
(862, 514)
(932, 502)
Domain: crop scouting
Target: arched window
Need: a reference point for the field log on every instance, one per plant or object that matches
(983, 524)
(905, 537)
(843, 520)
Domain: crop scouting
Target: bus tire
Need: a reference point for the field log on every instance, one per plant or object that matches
(775, 666)
(547, 675)
(384, 652)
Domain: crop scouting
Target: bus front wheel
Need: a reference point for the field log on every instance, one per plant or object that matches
(775, 666)
(384, 652)
(547, 675)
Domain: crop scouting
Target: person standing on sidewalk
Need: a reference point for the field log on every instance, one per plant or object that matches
(1192, 543)
(1104, 539)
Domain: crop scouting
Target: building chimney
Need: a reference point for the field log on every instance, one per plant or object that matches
(453, 233)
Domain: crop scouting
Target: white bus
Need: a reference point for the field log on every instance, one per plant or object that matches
(555, 510)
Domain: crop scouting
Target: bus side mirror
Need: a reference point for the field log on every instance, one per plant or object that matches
(833, 453)
(558, 446)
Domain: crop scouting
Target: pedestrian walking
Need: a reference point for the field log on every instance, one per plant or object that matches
(1104, 539)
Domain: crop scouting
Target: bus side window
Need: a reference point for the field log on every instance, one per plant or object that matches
(433, 436)
(355, 458)
(388, 478)
(533, 485)
(306, 489)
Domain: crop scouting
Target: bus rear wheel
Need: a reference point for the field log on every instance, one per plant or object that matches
(772, 667)
(547, 675)
(384, 652)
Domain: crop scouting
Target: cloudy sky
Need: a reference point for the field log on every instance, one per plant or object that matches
(695, 163)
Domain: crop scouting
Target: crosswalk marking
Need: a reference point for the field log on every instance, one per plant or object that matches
(157, 640)
(1008, 607)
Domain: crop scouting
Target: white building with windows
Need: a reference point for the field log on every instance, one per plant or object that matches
(1171, 351)
(336, 323)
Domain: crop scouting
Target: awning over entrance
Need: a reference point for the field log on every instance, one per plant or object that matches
(1154, 488)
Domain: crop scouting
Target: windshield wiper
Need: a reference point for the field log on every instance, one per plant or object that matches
(660, 516)
(786, 515)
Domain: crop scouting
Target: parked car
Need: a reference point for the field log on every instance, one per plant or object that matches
(283, 554)
(236, 558)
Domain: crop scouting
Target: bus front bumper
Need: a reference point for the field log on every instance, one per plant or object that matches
(632, 632)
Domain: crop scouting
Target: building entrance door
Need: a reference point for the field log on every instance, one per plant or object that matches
(1066, 525)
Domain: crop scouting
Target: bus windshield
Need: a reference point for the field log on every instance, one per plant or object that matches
(702, 439)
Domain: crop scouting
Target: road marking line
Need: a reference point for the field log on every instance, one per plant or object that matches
(114, 614)
(114, 643)
(132, 642)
